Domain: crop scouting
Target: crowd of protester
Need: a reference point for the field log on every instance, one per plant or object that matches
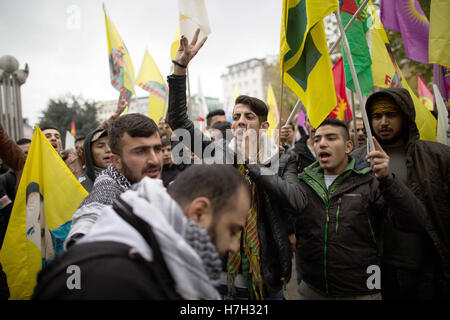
(227, 214)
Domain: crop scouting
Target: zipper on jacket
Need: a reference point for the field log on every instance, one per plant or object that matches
(337, 214)
(325, 253)
(371, 231)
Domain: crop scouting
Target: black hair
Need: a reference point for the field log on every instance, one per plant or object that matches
(256, 105)
(222, 126)
(165, 141)
(79, 138)
(23, 141)
(218, 182)
(135, 124)
(209, 116)
(336, 123)
(50, 127)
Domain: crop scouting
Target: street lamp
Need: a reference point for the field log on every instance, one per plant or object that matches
(11, 78)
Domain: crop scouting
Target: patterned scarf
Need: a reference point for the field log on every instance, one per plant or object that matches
(248, 256)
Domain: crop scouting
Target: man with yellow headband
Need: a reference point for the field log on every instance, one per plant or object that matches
(415, 265)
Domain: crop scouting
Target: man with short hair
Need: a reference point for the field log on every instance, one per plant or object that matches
(135, 153)
(360, 131)
(340, 202)
(214, 116)
(262, 264)
(71, 159)
(79, 142)
(415, 265)
(170, 170)
(97, 155)
(153, 244)
(24, 144)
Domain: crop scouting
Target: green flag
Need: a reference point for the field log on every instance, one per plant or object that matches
(356, 36)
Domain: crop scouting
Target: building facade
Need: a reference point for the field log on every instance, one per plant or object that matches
(106, 108)
(245, 77)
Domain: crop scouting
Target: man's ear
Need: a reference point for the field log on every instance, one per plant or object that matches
(348, 146)
(117, 162)
(200, 211)
(265, 125)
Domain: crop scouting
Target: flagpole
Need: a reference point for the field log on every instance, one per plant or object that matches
(292, 112)
(355, 81)
(355, 139)
(363, 5)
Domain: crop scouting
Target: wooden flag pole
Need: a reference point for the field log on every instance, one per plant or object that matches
(362, 101)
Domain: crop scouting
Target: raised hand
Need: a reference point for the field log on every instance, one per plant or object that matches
(121, 104)
(187, 51)
(379, 161)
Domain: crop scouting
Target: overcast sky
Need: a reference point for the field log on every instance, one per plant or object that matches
(66, 57)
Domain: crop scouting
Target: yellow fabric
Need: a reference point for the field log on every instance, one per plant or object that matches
(62, 193)
(175, 43)
(272, 116)
(384, 69)
(115, 42)
(157, 99)
(319, 98)
(439, 41)
(156, 107)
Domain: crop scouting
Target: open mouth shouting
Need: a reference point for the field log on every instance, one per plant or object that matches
(324, 156)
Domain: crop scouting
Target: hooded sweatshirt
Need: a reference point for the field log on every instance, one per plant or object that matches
(195, 267)
(427, 175)
(90, 170)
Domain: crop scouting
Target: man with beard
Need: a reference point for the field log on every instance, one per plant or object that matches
(340, 202)
(263, 262)
(153, 244)
(415, 265)
(136, 152)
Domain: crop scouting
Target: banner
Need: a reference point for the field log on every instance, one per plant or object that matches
(47, 197)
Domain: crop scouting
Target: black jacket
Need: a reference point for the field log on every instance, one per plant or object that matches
(428, 177)
(338, 229)
(305, 157)
(272, 231)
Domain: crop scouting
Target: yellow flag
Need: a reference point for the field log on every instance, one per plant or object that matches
(47, 197)
(272, 116)
(151, 80)
(175, 44)
(304, 56)
(157, 108)
(236, 93)
(120, 65)
(386, 74)
(439, 42)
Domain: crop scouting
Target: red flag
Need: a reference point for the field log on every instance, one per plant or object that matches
(73, 131)
(342, 110)
(425, 95)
